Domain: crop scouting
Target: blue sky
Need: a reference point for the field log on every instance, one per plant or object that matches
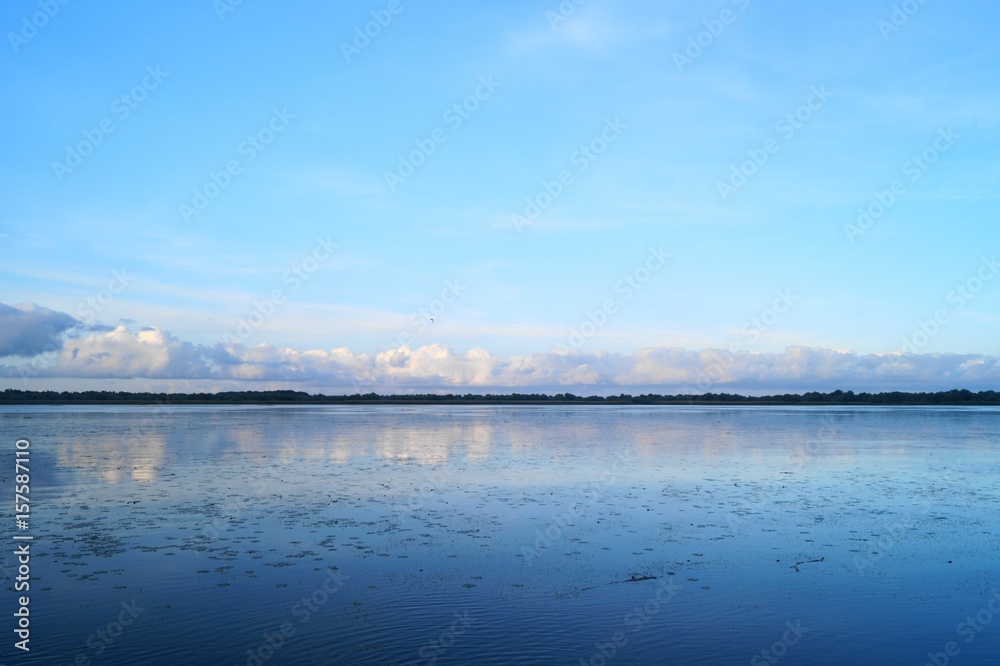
(739, 138)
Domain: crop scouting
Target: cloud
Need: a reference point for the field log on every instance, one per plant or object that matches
(153, 353)
(28, 329)
(150, 353)
(569, 26)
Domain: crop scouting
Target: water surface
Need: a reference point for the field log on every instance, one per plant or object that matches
(521, 534)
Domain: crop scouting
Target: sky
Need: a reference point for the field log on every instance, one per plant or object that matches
(588, 196)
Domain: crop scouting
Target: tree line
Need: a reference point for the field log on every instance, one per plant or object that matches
(838, 397)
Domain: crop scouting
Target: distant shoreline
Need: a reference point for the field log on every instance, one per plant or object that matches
(956, 397)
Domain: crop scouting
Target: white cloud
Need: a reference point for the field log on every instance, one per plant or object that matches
(155, 354)
(150, 353)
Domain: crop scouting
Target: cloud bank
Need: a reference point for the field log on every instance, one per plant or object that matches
(28, 329)
(153, 353)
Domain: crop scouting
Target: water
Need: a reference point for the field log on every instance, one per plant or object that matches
(499, 535)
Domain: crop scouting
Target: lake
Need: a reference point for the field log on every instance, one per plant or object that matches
(510, 534)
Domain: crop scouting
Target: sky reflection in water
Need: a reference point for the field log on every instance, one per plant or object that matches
(396, 535)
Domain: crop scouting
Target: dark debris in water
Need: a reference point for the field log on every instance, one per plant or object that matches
(631, 579)
(796, 565)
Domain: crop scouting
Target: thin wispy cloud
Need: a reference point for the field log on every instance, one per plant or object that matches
(569, 26)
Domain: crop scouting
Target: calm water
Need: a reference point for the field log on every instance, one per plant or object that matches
(500, 535)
